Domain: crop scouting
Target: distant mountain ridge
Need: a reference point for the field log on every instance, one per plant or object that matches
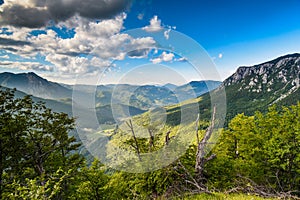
(197, 88)
(247, 90)
(142, 97)
(32, 84)
(138, 98)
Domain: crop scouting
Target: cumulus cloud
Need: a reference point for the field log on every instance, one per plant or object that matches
(12, 42)
(166, 57)
(38, 13)
(27, 66)
(155, 25)
(94, 46)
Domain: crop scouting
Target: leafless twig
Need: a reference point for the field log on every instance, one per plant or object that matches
(136, 146)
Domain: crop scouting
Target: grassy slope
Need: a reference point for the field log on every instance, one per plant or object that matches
(221, 196)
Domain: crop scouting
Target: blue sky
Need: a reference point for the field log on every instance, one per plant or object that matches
(233, 32)
(215, 23)
(245, 32)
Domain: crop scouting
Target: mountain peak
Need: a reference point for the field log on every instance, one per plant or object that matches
(33, 84)
(281, 65)
(275, 81)
(33, 74)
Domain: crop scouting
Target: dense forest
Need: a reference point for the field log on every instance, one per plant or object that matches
(39, 159)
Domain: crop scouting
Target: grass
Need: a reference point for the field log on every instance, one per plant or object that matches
(222, 196)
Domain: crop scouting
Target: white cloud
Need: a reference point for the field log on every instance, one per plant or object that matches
(220, 55)
(167, 34)
(155, 25)
(140, 16)
(27, 66)
(5, 57)
(156, 60)
(167, 56)
(181, 59)
(164, 57)
(103, 41)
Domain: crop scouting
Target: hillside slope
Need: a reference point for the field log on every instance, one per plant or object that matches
(257, 87)
(253, 88)
(32, 84)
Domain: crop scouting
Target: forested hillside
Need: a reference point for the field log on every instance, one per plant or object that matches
(256, 154)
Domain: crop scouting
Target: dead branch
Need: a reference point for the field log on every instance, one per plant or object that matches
(197, 128)
(191, 180)
(258, 190)
(200, 155)
(151, 139)
(136, 146)
(167, 140)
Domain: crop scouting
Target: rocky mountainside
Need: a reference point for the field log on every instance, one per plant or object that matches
(280, 76)
(255, 88)
(277, 79)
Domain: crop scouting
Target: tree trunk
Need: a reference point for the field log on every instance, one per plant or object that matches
(136, 146)
(40, 164)
(200, 155)
(151, 139)
(167, 139)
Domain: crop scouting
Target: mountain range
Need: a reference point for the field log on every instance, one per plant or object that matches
(32, 84)
(247, 90)
(138, 98)
(254, 88)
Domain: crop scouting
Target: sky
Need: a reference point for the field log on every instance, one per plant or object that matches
(141, 41)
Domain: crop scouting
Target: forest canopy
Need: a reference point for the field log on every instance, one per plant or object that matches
(39, 158)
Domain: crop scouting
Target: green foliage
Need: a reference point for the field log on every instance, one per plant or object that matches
(144, 185)
(39, 160)
(151, 184)
(263, 148)
(92, 183)
(34, 146)
(31, 189)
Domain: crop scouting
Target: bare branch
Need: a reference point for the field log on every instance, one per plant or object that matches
(167, 140)
(151, 139)
(135, 140)
(197, 128)
(258, 190)
(200, 160)
(200, 187)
